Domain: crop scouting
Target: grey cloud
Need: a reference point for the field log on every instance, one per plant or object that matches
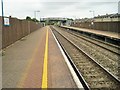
(78, 8)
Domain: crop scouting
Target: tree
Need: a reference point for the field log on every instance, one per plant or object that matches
(28, 18)
(35, 20)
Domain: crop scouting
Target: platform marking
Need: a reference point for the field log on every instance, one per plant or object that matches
(44, 77)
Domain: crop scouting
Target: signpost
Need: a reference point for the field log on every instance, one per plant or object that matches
(2, 8)
(119, 7)
(5, 20)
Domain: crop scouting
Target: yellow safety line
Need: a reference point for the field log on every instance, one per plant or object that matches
(44, 77)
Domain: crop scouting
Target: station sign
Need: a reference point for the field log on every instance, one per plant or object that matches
(6, 21)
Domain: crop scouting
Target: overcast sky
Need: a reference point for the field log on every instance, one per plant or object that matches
(59, 8)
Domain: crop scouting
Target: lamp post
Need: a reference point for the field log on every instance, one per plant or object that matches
(93, 13)
(92, 22)
(35, 13)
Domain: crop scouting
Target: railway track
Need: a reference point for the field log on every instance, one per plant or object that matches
(108, 60)
(114, 43)
(94, 74)
(110, 47)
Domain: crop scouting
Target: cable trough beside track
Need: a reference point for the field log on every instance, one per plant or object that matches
(94, 74)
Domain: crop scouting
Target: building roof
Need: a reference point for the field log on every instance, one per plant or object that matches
(109, 16)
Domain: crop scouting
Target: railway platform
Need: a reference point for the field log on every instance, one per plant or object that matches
(36, 61)
(111, 37)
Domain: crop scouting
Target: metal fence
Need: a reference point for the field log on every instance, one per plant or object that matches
(105, 26)
(17, 30)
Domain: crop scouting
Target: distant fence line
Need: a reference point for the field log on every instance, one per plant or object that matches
(105, 26)
(17, 30)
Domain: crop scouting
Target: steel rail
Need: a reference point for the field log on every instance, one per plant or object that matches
(81, 78)
(92, 59)
(97, 44)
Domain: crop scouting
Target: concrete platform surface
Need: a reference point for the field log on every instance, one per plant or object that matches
(23, 63)
(99, 32)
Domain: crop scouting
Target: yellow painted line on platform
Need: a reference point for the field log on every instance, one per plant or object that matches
(44, 77)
